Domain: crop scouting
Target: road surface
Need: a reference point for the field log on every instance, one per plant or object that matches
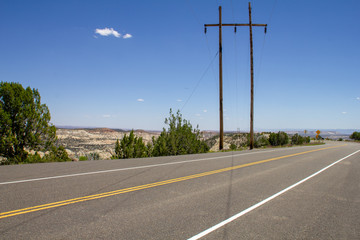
(283, 193)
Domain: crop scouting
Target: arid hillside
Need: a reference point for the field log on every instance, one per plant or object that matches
(82, 142)
(85, 141)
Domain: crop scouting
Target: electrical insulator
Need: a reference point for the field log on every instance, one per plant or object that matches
(234, 29)
(205, 30)
(265, 29)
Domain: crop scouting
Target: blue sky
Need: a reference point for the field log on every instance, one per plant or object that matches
(125, 63)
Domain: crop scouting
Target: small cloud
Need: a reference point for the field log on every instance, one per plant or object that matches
(140, 100)
(198, 115)
(358, 98)
(107, 32)
(205, 110)
(344, 112)
(179, 100)
(106, 116)
(127, 36)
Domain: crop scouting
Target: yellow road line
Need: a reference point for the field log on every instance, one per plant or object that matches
(145, 186)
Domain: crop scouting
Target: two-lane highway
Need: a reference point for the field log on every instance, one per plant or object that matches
(289, 193)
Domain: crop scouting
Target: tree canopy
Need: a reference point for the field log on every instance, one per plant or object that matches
(180, 138)
(130, 147)
(24, 122)
(278, 139)
(296, 139)
(355, 136)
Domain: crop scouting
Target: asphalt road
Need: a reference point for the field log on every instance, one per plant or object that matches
(183, 196)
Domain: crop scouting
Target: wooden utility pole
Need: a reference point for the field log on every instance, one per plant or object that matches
(252, 84)
(221, 142)
(250, 25)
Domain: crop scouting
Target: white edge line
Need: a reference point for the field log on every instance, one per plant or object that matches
(221, 224)
(130, 168)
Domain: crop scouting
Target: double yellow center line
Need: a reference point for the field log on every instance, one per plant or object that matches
(146, 186)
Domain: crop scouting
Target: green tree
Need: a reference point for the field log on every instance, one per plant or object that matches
(130, 147)
(24, 123)
(160, 147)
(34, 158)
(94, 156)
(273, 139)
(180, 138)
(149, 149)
(355, 136)
(283, 138)
(260, 141)
(56, 154)
(117, 150)
(233, 147)
(278, 139)
(296, 139)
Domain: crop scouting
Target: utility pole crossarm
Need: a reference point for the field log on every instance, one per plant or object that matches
(236, 25)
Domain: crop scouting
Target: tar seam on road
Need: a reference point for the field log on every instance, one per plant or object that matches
(226, 221)
(145, 186)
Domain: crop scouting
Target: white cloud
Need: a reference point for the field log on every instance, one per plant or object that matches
(179, 100)
(198, 115)
(107, 32)
(127, 36)
(140, 100)
(106, 116)
(358, 98)
(344, 112)
(205, 110)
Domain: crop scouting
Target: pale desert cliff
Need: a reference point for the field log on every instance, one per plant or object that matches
(81, 142)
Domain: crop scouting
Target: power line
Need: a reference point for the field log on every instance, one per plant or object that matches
(264, 40)
(272, 11)
(196, 17)
(200, 79)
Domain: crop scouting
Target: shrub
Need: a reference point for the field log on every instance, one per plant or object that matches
(261, 141)
(93, 156)
(278, 139)
(57, 154)
(130, 147)
(355, 136)
(297, 139)
(180, 138)
(233, 147)
(83, 158)
(33, 158)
